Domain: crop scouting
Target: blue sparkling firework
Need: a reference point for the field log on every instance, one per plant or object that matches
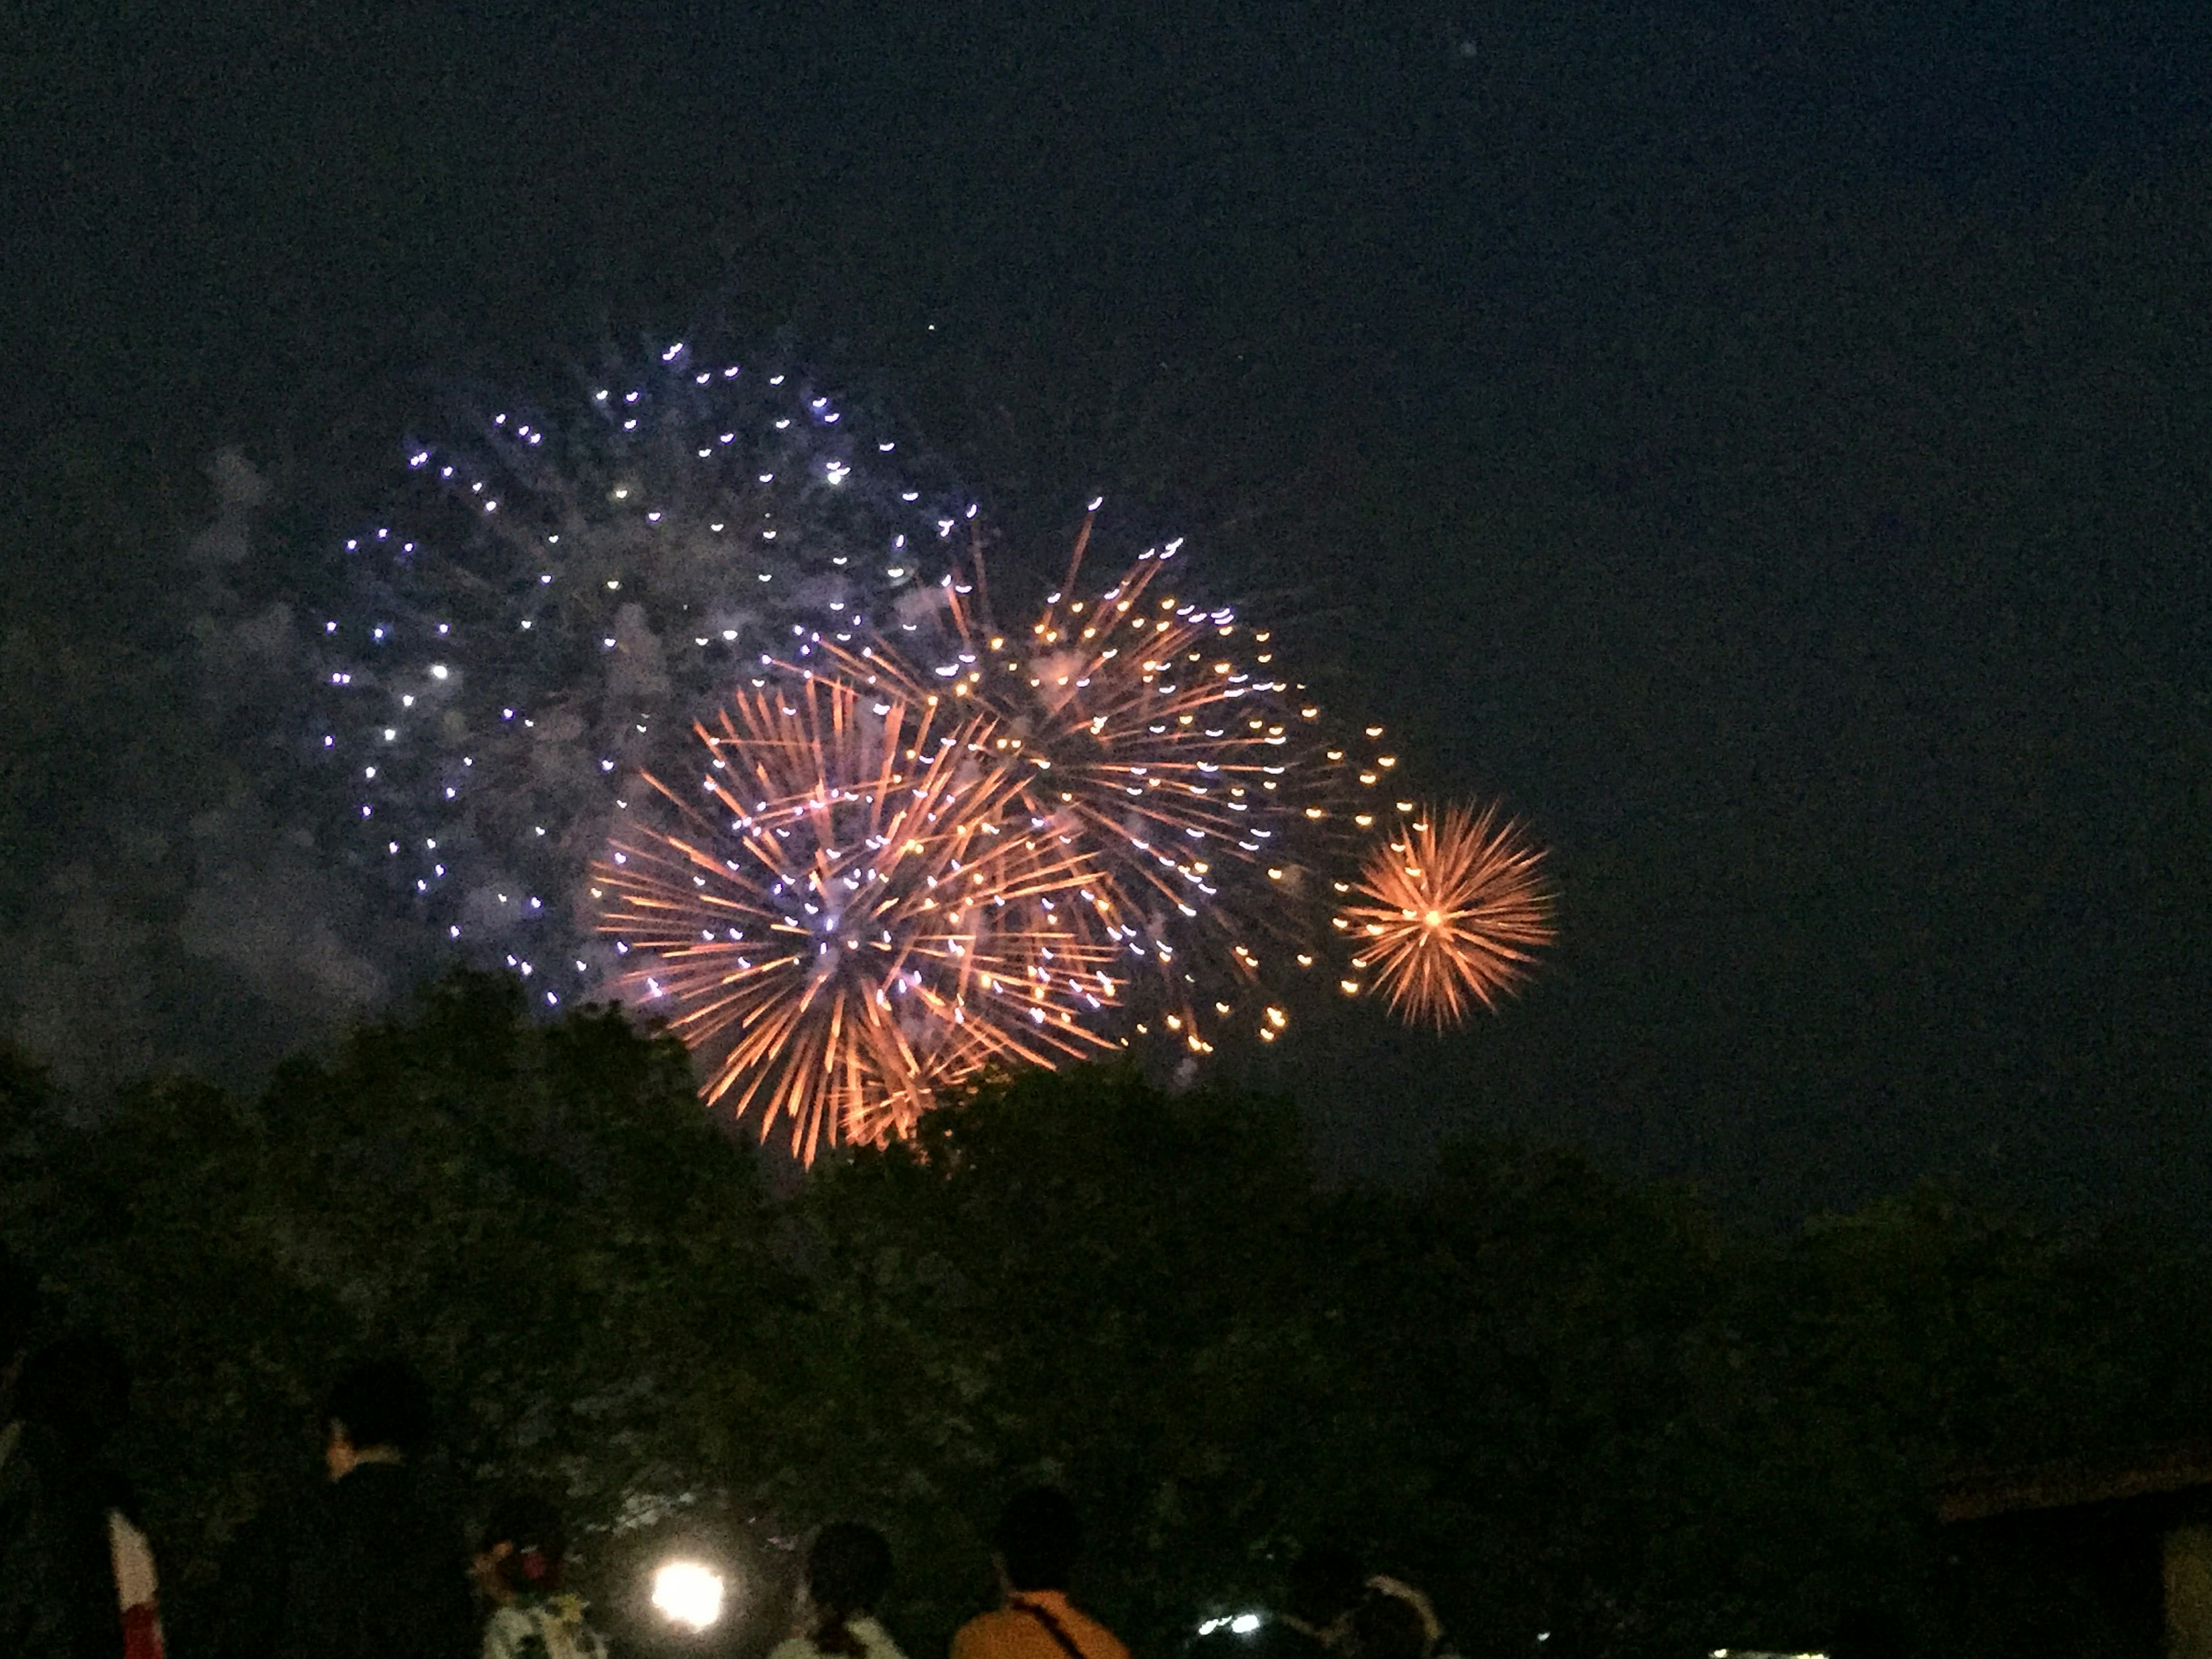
(549, 601)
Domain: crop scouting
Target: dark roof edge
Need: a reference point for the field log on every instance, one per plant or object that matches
(2075, 1482)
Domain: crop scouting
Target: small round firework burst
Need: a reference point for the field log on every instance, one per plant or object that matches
(855, 911)
(1449, 911)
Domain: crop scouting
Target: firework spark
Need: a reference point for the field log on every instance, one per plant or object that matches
(922, 844)
(1456, 908)
(856, 910)
(553, 596)
(1163, 734)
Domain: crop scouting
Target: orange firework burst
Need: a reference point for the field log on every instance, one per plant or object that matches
(1163, 735)
(1458, 909)
(856, 910)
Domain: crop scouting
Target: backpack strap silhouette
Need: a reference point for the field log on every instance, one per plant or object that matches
(1053, 1628)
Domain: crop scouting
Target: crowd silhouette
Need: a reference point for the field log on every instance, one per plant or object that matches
(363, 1562)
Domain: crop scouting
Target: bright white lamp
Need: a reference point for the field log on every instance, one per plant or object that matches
(688, 1593)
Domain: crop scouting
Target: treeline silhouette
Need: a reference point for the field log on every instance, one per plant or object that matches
(1560, 1403)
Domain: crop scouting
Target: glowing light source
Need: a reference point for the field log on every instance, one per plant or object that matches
(1237, 1623)
(688, 1593)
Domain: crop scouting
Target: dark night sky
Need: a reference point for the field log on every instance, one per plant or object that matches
(1766, 443)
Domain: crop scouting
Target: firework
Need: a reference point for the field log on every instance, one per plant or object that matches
(1449, 911)
(551, 600)
(855, 910)
(1162, 734)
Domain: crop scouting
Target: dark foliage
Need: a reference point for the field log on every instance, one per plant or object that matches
(1557, 1403)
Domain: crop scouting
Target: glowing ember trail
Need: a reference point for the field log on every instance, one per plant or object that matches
(1456, 909)
(856, 909)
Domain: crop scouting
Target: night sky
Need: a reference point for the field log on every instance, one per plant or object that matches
(1764, 444)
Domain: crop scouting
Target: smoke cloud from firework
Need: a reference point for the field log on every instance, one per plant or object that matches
(203, 926)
